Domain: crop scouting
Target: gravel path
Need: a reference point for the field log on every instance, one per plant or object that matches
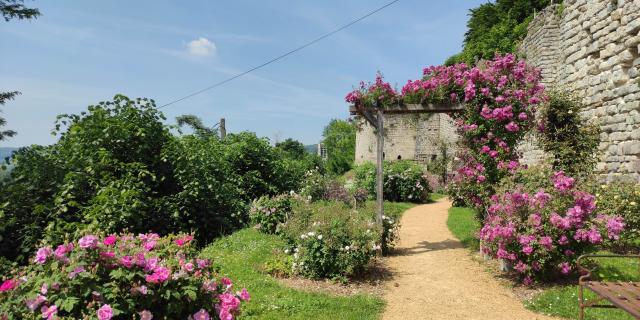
(434, 276)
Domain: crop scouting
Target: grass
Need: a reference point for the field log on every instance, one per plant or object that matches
(433, 197)
(464, 226)
(562, 301)
(559, 300)
(242, 255)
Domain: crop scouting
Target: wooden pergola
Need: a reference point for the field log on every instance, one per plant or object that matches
(375, 117)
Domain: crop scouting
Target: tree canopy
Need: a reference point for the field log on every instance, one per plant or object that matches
(340, 142)
(496, 27)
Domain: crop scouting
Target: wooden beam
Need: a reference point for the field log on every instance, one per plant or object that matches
(416, 108)
(380, 173)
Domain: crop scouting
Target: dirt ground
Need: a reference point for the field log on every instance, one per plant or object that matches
(435, 277)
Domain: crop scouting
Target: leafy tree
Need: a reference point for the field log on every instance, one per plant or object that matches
(496, 27)
(15, 9)
(196, 124)
(293, 148)
(340, 142)
(4, 97)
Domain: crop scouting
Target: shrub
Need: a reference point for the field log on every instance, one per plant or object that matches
(571, 141)
(542, 234)
(314, 185)
(117, 166)
(404, 181)
(621, 198)
(331, 240)
(335, 191)
(268, 214)
(120, 276)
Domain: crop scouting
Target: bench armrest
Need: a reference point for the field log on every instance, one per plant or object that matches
(586, 273)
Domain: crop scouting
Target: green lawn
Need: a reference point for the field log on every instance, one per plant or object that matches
(433, 197)
(463, 225)
(242, 255)
(560, 300)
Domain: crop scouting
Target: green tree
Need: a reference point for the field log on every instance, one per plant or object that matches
(293, 148)
(15, 9)
(196, 124)
(496, 27)
(340, 142)
(4, 97)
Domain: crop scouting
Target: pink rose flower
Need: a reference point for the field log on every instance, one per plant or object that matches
(50, 312)
(145, 315)
(42, 254)
(110, 240)
(8, 285)
(244, 295)
(105, 312)
(88, 242)
(201, 315)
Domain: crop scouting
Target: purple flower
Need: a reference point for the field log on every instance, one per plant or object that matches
(88, 242)
(42, 255)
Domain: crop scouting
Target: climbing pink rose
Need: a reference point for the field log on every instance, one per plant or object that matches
(145, 315)
(110, 240)
(88, 242)
(8, 285)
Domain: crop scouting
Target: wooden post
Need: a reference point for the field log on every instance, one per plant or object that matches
(379, 170)
(223, 129)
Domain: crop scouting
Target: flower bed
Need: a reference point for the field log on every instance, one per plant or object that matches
(332, 240)
(120, 276)
(541, 234)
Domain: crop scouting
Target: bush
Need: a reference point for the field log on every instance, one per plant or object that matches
(314, 185)
(621, 198)
(120, 276)
(118, 167)
(404, 181)
(542, 234)
(331, 240)
(268, 214)
(562, 133)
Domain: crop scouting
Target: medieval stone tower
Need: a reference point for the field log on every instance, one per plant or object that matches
(407, 137)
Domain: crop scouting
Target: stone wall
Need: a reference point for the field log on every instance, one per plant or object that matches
(407, 136)
(590, 47)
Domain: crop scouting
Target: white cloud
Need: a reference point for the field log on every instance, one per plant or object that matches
(201, 47)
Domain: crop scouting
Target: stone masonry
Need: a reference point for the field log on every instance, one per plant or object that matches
(407, 136)
(590, 47)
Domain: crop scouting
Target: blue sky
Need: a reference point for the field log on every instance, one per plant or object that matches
(81, 52)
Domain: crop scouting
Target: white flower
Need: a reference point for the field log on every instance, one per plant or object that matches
(319, 237)
(304, 236)
(347, 248)
(311, 234)
(286, 251)
(292, 192)
(309, 197)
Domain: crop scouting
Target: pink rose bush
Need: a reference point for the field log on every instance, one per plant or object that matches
(499, 97)
(542, 233)
(120, 276)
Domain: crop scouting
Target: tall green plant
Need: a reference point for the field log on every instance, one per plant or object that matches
(339, 138)
(571, 141)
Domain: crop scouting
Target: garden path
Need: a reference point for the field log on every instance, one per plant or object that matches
(434, 276)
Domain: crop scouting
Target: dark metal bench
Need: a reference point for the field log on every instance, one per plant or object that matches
(622, 295)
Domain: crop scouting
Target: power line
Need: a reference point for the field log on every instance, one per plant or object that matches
(280, 56)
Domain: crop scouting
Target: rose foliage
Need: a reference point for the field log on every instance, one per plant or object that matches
(120, 276)
(541, 234)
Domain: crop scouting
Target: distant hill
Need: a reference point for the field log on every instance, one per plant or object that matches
(6, 152)
(312, 148)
